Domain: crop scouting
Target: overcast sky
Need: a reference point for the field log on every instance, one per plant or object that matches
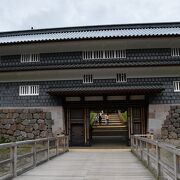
(23, 14)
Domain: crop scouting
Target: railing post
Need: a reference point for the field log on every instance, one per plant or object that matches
(136, 146)
(48, 148)
(132, 143)
(64, 143)
(141, 151)
(57, 145)
(157, 159)
(148, 159)
(67, 138)
(34, 154)
(175, 158)
(14, 159)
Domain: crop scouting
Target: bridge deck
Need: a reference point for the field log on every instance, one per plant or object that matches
(91, 164)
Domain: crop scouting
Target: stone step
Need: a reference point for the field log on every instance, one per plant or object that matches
(109, 125)
(112, 132)
(113, 121)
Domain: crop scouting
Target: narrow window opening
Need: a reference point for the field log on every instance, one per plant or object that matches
(29, 90)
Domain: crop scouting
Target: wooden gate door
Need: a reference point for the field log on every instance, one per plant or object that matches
(77, 127)
(136, 120)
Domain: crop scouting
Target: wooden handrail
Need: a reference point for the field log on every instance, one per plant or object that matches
(33, 152)
(141, 147)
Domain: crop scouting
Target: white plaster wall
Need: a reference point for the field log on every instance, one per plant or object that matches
(157, 115)
(57, 115)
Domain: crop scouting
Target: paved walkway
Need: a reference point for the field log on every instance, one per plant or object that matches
(91, 164)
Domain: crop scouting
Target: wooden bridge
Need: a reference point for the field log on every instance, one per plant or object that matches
(26, 161)
(91, 164)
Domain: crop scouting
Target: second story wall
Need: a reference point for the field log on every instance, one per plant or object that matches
(76, 60)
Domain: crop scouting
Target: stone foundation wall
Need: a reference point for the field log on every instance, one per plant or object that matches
(22, 124)
(171, 127)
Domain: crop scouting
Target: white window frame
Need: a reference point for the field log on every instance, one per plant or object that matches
(175, 52)
(29, 90)
(87, 78)
(28, 58)
(176, 85)
(104, 54)
(121, 77)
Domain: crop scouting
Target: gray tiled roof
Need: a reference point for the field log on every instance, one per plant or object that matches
(135, 63)
(91, 32)
(91, 90)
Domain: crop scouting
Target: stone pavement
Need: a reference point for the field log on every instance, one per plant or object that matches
(91, 164)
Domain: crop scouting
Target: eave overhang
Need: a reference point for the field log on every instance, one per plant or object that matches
(148, 89)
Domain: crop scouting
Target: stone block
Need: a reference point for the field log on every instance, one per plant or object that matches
(44, 134)
(48, 115)
(176, 125)
(178, 130)
(35, 126)
(25, 111)
(29, 116)
(28, 129)
(32, 121)
(175, 115)
(15, 115)
(10, 132)
(177, 111)
(20, 127)
(30, 135)
(172, 135)
(25, 122)
(171, 128)
(23, 134)
(49, 126)
(36, 116)
(9, 115)
(2, 116)
(4, 131)
(12, 138)
(36, 132)
(164, 132)
(18, 120)
(7, 126)
(48, 121)
(42, 127)
(167, 122)
(20, 138)
(17, 133)
(23, 116)
(13, 127)
(40, 121)
(164, 126)
(6, 136)
(42, 115)
(10, 121)
(164, 137)
(4, 121)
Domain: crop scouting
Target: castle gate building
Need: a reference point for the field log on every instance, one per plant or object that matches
(129, 71)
